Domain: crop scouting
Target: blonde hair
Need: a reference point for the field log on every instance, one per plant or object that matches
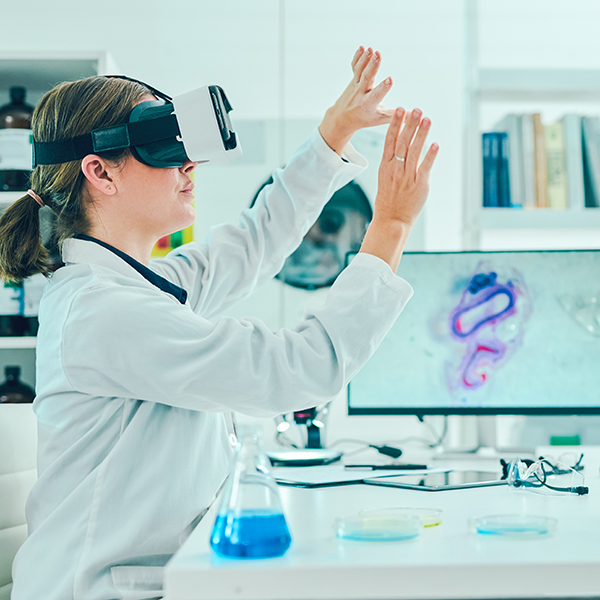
(68, 110)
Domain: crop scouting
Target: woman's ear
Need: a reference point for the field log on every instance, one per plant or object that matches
(99, 174)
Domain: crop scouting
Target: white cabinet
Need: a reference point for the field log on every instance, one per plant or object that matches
(38, 72)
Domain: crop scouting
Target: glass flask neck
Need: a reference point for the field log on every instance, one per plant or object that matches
(248, 448)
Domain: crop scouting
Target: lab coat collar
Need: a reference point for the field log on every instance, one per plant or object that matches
(86, 249)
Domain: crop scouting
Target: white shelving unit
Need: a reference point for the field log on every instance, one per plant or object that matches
(516, 88)
(39, 72)
(17, 343)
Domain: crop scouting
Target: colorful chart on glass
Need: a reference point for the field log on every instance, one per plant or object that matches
(170, 242)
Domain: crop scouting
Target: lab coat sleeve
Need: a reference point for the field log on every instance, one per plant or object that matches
(163, 352)
(235, 259)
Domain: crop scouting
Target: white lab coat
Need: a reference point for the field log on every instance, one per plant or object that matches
(133, 386)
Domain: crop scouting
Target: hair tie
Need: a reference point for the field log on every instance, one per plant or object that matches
(35, 197)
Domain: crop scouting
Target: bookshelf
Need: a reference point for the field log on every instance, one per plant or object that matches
(539, 218)
(39, 72)
(549, 91)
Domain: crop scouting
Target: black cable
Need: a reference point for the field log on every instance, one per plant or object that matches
(384, 449)
(441, 436)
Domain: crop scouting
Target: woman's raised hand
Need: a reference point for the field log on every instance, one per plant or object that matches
(403, 186)
(359, 105)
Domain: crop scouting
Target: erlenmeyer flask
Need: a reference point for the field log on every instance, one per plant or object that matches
(250, 522)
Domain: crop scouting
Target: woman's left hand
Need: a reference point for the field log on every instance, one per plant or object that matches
(359, 106)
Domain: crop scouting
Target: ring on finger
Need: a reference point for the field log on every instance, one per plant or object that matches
(399, 158)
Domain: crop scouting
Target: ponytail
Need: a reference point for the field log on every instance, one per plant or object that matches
(22, 253)
(67, 111)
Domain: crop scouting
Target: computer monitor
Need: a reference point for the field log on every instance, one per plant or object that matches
(490, 333)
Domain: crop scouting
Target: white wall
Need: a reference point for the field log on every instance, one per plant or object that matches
(284, 62)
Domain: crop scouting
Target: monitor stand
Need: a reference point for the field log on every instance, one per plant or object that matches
(486, 444)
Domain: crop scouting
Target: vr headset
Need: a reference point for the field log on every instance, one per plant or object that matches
(160, 133)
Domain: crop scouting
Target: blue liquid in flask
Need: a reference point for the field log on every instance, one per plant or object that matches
(250, 534)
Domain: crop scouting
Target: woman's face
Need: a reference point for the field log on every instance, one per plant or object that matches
(159, 201)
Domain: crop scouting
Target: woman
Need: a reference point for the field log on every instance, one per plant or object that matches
(136, 370)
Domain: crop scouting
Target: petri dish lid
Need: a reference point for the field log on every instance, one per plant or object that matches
(516, 526)
(378, 528)
(430, 517)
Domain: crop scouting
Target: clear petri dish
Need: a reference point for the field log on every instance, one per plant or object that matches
(516, 526)
(430, 517)
(378, 529)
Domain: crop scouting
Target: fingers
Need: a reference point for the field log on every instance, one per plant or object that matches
(416, 148)
(368, 76)
(425, 168)
(380, 92)
(362, 63)
(405, 137)
(392, 134)
(357, 55)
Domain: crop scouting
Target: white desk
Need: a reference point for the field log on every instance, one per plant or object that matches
(443, 562)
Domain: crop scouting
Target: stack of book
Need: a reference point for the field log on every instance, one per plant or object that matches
(527, 164)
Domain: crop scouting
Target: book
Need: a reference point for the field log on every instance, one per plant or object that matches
(541, 177)
(574, 161)
(511, 124)
(503, 170)
(591, 160)
(556, 166)
(527, 138)
(490, 154)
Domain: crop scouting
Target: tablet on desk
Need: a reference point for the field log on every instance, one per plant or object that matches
(433, 482)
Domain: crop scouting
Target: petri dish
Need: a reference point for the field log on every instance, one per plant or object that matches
(515, 526)
(378, 528)
(430, 517)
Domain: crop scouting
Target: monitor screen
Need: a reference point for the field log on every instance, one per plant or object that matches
(490, 333)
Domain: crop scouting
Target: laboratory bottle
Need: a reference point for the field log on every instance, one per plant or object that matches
(33, 288)
(13, 390)
(250, 522)
(15, 142)
(12, 321)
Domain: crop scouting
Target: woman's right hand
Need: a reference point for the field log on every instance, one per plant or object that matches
(403, 186)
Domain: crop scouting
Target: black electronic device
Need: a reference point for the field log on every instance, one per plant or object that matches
(489, 333)
(435, 482)
(161, 133)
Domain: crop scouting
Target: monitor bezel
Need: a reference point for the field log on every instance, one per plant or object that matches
(475, 411)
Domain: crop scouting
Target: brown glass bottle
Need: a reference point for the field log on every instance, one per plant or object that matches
(15, 142)
(12, 321)
(12, 390)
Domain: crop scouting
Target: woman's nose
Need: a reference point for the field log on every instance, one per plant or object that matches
(188, 166)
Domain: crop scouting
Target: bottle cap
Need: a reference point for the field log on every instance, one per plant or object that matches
(12, 372)
(17, 93)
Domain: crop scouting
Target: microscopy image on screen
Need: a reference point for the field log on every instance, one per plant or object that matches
(511, 331)
(488, 324)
